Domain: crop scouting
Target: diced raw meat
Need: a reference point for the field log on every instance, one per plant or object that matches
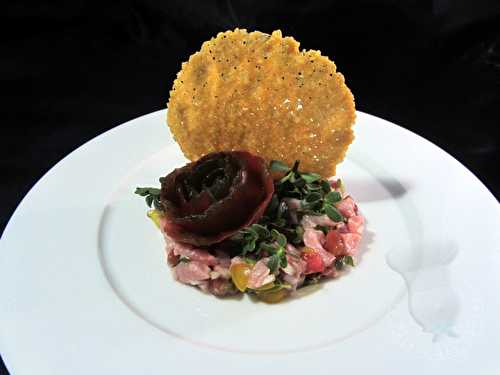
(192, 253)
(347, 207)
(328, 258)
(222, 271)
(314, 239)
(192, 272)
(292, 250)
(351, 242)
(311, 221)
(355, 224)
(223, 259)
(259, 275)
(222, 287)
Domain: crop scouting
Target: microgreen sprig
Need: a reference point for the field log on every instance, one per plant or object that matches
(152, 196)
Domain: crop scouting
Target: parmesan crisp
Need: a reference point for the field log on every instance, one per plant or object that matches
(260, 93)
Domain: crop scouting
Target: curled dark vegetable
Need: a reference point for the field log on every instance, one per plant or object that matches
(209, 200)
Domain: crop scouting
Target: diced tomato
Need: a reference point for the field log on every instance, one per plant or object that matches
(314, 262)
(334, 243)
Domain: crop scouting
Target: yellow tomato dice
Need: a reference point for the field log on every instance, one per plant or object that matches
(239, 274)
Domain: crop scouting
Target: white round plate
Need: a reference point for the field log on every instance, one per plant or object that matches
(85, 288)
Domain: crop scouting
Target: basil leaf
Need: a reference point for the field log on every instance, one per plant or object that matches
(313, 197)
(278, 166)
(333, 213)
(333, 197)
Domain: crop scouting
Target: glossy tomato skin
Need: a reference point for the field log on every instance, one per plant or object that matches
(240, 273)
(334, 243)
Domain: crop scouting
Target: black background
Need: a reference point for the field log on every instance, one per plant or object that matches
(71, 70)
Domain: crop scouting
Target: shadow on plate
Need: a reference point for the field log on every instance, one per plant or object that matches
(369, 191)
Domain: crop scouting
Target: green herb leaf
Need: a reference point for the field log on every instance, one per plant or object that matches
(324, 228)
(149, 200)
(278, 237)
(283, 262)
(268, 247)
(333, 197)
(145, 191)
(261, 231)
(325, 185)
(248, 247)
(298, 235)
(348, 260)
(333, 213)
(281, 240)
(342, 261)
(249, 260)
(278, 166)
(310, 177)
(273, 263)
(152, 196)
(339, 264)
(313, 197)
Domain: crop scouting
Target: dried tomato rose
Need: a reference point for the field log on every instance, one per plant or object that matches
(209, 200)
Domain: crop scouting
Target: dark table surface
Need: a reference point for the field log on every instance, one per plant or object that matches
(74, 70)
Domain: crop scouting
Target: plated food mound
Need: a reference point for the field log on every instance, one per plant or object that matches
(235, 224)
(260, 93)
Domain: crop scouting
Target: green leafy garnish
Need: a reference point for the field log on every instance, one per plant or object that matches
(333, 197)
(279, 224)
(278, 166)
(315, 194)
(332, 213)
(152, 196)
(324, 228)
(273, 263)
(342, 261)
